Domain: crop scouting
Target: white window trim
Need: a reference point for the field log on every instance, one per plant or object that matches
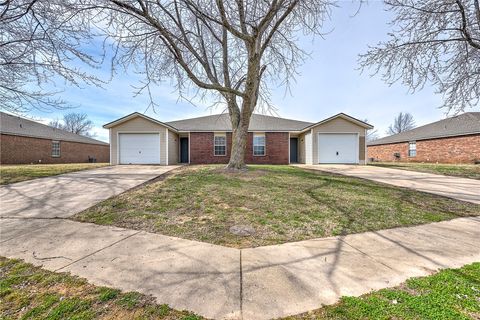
(59, 149)
(264, 144)
(167, 136)
(219, 134)
(409, 144)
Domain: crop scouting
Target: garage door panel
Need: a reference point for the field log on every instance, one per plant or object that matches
(338, 148)
(139, 148)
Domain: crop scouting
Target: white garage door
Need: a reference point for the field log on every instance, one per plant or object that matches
(338, 148)
(139, 148)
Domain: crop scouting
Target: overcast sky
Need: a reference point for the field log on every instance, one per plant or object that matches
(328, 83)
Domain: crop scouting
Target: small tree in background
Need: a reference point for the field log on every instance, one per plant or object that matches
(403, 122)
(74, 122)
(372, 134)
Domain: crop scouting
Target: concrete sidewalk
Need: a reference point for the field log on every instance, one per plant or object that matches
(225, 283)
(453, 187)
(67, 194)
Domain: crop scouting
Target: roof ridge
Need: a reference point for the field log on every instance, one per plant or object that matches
(36, 123)
(226, 114)
(426, 125)
(46, 125)
(461, 124)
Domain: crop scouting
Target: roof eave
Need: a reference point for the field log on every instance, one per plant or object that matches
(134, 115)
(343, 116)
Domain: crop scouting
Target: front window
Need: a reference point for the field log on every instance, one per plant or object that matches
(258, 144)
(412, 149)
(55, 148)
(220, 144)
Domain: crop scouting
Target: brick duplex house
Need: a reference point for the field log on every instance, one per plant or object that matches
(139, 139)
(452, 140)
(23, 141)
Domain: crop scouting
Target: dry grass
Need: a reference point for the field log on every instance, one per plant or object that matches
(281, 203)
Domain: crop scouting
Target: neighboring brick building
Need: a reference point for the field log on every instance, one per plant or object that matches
(452, 140)
(24, 141)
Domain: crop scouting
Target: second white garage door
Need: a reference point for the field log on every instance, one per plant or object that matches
(337, 148)
(139, 148)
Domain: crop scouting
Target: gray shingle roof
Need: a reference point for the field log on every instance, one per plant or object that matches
(463, 124)
(221, 122)
(14, 125)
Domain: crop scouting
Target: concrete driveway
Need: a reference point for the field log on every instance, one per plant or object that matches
(65, 195)
(452, 187)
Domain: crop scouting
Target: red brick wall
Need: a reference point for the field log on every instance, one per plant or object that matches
(276, 149)
(201, 148)
(23, 150)
(465, 149)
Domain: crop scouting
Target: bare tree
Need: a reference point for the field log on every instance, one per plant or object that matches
(436, 41)
(230, 51)
(56, 124)
(403, 122)
(40, 40)
(74, 122)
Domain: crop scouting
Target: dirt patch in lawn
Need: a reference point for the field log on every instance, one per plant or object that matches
(280, 203)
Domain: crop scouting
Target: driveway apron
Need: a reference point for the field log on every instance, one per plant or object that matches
(453, 187)
(64, 195)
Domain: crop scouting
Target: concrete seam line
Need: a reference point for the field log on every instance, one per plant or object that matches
(367, 255)
(241, 286)
(91, 254)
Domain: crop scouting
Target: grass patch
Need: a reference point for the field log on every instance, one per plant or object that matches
(16, 173)
(28, 292)
(281, 203)
(471, 171)
(450, 294)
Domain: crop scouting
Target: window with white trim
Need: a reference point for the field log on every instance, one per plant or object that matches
(55, 148)
(220, 144)
(412, 149)
(259, 144)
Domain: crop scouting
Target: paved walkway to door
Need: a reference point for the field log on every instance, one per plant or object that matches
(226, 283)
(453, 187)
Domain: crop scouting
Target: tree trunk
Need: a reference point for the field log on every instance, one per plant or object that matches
(239, 143)
(240, 118)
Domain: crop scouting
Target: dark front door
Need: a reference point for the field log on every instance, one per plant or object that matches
(184, 150)
(293, 150)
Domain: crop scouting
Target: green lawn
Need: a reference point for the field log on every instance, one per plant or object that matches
(452, 294)
(23, 172)
(471, 171)
(28, 292)
(281, 203)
